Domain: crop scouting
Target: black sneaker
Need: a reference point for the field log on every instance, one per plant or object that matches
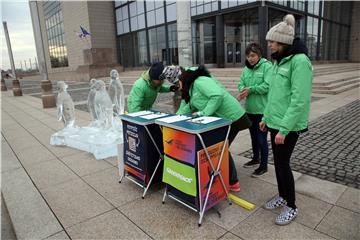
(259, 171)
(251, 163)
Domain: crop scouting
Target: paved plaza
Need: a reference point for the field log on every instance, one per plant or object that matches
(61, 193)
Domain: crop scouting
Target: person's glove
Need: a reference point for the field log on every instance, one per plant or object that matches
(174, 88)
(197, 114)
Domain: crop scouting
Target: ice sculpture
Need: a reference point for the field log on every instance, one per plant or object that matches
(91, 98)
(116, 93)
(65, 105)
(103, 135)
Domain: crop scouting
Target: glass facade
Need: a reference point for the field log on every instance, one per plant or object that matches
(151, 32)
(55, 34)
(146, 32)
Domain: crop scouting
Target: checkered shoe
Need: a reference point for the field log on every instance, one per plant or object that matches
(286, 216)
(276, 202)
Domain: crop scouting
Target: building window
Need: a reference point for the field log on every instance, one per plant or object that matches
(122, 20)
(173, 44)
(201, 7)
(157, 44)
(119, 3)
(233, 3)
(313, 7)
(155, 13)
(171, 12)
(140, 49)
(55, 34)
(298, 5)
(126, 50)
(312, 36)
(137, 15)
(283, 3)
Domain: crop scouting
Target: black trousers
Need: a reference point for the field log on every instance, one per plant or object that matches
(237, 126)
(282, 154)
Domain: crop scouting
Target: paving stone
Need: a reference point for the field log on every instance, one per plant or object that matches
(110, 225)
(261, 225)
(341, 224)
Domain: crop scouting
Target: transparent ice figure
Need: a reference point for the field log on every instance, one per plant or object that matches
(91, 98)
(103, 106)
(65, 105)
(116, 93)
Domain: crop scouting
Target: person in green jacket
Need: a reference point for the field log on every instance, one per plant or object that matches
(145, 90)
(287, 111)
(254, 87)
(203, 95)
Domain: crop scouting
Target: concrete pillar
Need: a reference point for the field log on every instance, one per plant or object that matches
(220, 35)
(47, 96)
(263, 27)
(184, 33)
(354, 33)
(3, 85)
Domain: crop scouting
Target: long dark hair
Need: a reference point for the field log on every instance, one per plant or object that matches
(188, 77)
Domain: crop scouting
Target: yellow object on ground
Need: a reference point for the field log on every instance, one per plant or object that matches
(241, 202)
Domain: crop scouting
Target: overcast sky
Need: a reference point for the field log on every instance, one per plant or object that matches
(17, 15)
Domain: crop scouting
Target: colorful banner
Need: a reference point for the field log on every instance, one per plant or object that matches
(180, 176)
(217, 192)
(179, 145)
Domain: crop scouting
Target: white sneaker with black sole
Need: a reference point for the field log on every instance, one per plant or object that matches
(275, 202)
(286, 216)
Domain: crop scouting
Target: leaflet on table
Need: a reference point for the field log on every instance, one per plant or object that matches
(154, 115)
(137, 114)
(204, 120)
(173, 119)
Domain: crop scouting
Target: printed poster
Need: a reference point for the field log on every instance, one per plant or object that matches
(217, 193)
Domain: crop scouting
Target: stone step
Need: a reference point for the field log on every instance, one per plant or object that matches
(335, 70)
(338, 90)
(338, 84)
(329, 82)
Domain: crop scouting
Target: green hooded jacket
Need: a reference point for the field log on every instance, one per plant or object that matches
(289, 94)
(143, 95)
(257, 81)
(210, 98)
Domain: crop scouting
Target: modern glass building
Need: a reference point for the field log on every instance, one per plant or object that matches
(147, 30)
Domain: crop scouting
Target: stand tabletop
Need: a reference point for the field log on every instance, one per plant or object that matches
(140, 120)
(194, 128)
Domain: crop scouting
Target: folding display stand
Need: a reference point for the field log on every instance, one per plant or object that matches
(142, 150)
(196, 164)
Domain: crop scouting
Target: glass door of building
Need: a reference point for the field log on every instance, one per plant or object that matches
(234, 47)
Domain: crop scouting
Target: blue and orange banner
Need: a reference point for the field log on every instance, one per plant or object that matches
(217, 192)
(179, 145)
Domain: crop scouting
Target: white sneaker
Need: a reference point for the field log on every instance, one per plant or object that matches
(286, 216)
(276, 202)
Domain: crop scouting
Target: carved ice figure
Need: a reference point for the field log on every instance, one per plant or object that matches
(65, 105)
(103, 105)
(116, 93)
(91, 99)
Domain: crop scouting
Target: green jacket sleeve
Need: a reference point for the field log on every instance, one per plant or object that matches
(164, 88)
(241, 84)
(262, 88)
(213, 93)
(135, 99)
(184, 108)
(301, 83)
